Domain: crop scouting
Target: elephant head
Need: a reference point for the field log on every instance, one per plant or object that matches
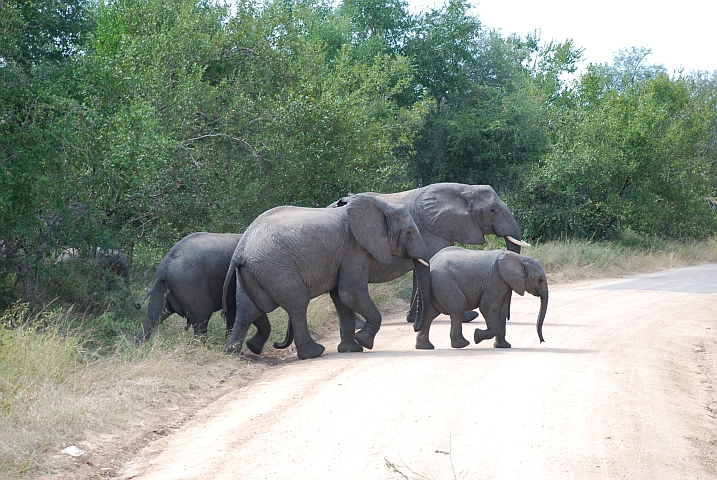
(465, 213)
(523, 274)
(385, 229)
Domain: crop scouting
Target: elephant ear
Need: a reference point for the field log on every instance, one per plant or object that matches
(512, 270)
(369, 224)
(446, 212)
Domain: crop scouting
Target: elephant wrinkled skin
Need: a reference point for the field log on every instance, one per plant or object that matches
(189, 282)
(290, 255)
(463, 279)
(446, 213)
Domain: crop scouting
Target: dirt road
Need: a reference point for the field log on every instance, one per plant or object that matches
(624, 387)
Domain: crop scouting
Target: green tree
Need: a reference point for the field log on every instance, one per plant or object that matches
(634, 149)
(38, 124)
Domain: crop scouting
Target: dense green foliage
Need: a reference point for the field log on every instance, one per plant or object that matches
(633, 148)
(130, 123)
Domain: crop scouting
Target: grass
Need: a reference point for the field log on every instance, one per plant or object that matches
(66, 374)
(575, 260)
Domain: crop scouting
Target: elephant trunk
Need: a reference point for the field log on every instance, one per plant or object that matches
(423, 293)
(541, 314)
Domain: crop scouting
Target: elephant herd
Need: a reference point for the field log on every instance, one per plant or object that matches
(289, 255)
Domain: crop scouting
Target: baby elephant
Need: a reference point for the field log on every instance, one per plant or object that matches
(462, 280)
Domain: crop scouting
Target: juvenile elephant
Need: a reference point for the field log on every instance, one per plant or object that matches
(189, 282)
(111, 260)
(463, 279)
(290, 255)
(446, 213)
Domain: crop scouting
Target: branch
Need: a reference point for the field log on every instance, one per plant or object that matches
(240, 141)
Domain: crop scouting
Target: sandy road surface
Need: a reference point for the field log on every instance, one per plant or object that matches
(624, 387)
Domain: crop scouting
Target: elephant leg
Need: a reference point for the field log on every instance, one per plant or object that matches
(306, 347)
(200, 326)
(457, 338)
(263, 331)
(422, 341)
(347, 324)
(358, 299)
(246, 313)
(500, 341)
(492, 320)
(158, 310)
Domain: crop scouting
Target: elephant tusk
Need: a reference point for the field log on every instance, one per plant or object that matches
(423, 262)
(517, 242)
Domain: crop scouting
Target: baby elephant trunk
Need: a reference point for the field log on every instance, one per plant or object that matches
(541, 314)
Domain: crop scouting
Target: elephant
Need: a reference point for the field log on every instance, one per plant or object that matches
(111, 260)
(189, 282)
(446, 213)
(463, 279)
(289, 255)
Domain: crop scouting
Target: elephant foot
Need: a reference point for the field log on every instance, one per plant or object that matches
(234, 349)
(309, 350)
(255, 344)
(365, 338)
(349, 346)
(460, 342)
(481, 335)
(358, 323)
(502, 343)
(423, 344)
(470, 316)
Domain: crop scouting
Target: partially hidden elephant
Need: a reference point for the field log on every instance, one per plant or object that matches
(446, 213)
(290, 255)
(111, 260)
(463, 279)
(189, 282)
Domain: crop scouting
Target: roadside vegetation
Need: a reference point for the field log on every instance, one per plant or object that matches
(66, 375)
(128, 124)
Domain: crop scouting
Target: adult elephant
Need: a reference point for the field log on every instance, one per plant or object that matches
(463, 279)
(448, 213)
(189, 282)
(290, 255)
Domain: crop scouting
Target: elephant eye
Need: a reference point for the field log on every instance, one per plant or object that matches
(540, 280)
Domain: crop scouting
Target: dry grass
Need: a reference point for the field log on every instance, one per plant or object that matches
(571, 261)
(54, 392)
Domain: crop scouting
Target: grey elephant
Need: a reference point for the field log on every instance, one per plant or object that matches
(189, 282)
(446, 213)
(111, 260)
(290, 255)
(463, 279)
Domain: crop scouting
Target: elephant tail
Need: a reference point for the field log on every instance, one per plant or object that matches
(139, 305)
(288, 339)
(233, 268)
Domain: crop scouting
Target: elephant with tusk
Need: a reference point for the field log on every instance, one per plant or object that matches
(289, 255)
(448, 213)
